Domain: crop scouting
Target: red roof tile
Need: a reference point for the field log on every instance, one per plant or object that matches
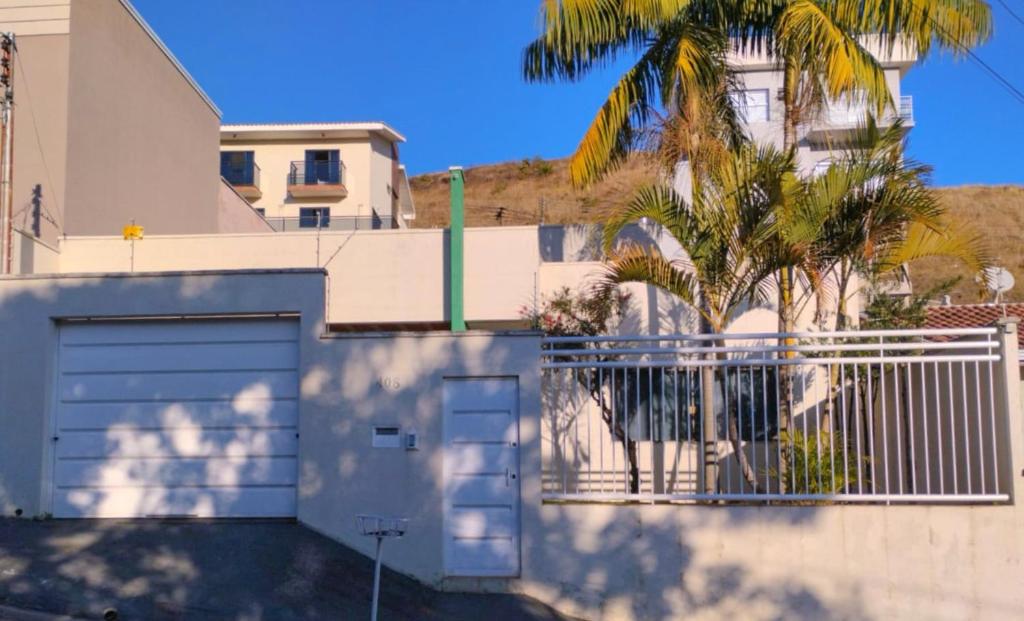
(974, 316)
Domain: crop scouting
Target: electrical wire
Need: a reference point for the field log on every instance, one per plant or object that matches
(1011, 11)
(39, 143)
(1015, 92)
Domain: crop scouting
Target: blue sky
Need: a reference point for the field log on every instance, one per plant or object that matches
(447, 75)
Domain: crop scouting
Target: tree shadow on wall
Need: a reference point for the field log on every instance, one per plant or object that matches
(188, 568)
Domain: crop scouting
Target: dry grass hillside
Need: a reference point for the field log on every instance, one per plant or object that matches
(997, 213)
(516, 192)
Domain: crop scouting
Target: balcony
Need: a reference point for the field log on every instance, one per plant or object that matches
(317, 179)
(244, 177)
(841, 122)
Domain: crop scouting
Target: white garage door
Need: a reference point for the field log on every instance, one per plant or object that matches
(176, 418)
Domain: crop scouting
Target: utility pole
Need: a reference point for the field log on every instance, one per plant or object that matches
(7, 51)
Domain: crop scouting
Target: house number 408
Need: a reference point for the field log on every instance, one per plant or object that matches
(389, 383)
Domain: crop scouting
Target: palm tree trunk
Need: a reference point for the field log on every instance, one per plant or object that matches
(791, 77)
(844, 283)
(708, 423)
(733, 426)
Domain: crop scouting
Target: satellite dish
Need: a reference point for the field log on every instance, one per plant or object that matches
(998, 280)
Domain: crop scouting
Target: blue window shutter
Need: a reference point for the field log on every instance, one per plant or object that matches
(310, 166)
(334, 168)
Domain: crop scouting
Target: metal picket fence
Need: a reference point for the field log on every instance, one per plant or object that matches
(863, 416)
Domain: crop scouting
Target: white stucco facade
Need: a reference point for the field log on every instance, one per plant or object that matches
(599, 561)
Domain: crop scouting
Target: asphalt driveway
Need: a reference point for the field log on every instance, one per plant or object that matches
(225, 570)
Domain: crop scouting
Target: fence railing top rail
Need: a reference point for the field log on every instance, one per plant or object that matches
(741, 349)
(737, 336)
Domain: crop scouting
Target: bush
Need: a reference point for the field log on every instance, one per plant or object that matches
(815, 463)
(536, 167)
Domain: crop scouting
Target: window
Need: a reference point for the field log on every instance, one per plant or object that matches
(323, 166)
(668, 401)
(314, 217)
(238, 167)
(752, 105)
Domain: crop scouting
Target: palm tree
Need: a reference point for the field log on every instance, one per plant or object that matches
(680, 68)
(875, 213)
(821, 46)
(721, 231)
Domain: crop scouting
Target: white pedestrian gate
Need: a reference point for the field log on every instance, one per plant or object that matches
(481, 477)
(176, 417)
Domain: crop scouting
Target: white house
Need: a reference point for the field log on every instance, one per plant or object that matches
(316, 374)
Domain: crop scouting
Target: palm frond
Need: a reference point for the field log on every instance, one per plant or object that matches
(921, 241)
(815, 33)
(684, 58)
(635, 264)
(658, 204)
(954, 25)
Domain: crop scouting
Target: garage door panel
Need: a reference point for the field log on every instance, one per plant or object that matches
(191, 331)
(171, 386)
(230, 471)
(180, 442)
(181, 501)
(243, 411)
(169, 357)
(177, 418)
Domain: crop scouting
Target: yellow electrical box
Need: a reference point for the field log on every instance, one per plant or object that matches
(133, 231)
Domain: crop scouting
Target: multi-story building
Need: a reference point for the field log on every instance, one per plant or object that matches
(341, 176)
(758, 97)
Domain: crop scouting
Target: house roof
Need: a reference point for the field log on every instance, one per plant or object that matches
(974, 316)
(279, 131)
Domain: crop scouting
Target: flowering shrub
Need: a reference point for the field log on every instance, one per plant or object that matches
(568, 313)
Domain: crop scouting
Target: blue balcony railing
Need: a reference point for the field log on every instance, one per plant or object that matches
(316, 173)
(241, 173)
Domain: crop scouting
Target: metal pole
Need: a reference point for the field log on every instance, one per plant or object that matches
(376, 580)
(7, 191)
(456, 250)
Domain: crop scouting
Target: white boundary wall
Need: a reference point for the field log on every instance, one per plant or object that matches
(597, 561)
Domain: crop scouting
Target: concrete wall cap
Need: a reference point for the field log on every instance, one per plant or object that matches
(243, 272)
(432, 334)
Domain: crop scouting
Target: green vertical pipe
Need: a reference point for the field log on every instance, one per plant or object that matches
(456, 256)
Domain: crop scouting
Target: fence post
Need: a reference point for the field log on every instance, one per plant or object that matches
(456, 250)
(1008, 400)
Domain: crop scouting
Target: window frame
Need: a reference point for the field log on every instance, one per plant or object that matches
(743, 107)
(322, 170)
(246, 168)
